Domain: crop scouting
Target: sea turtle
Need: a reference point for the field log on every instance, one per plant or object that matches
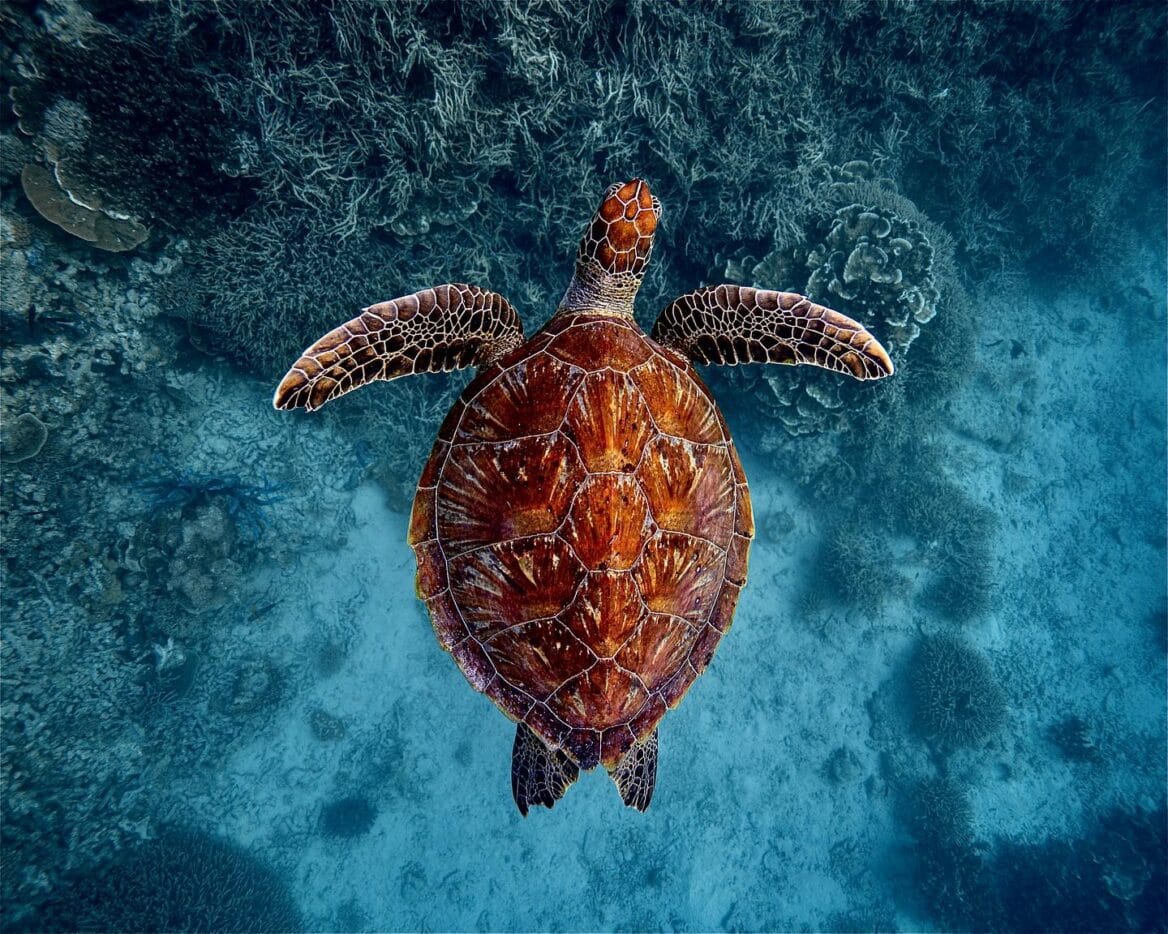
(582, 525)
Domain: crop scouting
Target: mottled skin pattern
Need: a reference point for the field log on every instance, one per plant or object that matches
(583, 523)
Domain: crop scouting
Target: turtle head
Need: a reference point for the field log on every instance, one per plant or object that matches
(614, 250)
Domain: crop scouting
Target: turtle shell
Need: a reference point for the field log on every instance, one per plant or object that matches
(581, 530)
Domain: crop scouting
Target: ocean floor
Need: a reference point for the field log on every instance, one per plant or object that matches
(779, 802)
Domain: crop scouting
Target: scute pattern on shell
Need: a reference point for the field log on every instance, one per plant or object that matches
(581, 531)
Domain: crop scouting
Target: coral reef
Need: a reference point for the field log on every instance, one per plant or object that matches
(949, 871)
(881, 265)
(858, 568)
(957, 701)
(407, 120)
(957, 535)
(879, 261)
(79, 211)
(182, 881)
(203, 571)
(352, 816)
(128, 131)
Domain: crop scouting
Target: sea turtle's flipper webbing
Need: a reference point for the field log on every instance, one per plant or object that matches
(435, 330)
(731, 324)
(539, 775)
(636, 774)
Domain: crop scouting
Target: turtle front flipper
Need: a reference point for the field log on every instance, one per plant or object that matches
(539, 775)
(636, 773)
(435, 330)
(731, 324)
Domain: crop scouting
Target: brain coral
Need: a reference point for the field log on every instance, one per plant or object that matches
(21, 438)
(957, 700)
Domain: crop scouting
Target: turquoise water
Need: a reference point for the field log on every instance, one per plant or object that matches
(941, 705)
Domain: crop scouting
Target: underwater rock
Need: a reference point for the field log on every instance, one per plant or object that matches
(348, 817)
(957, 700)
(843, 766)
(325, 727)
(256, 685)
(21, 438)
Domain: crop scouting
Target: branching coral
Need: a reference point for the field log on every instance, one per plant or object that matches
(939, 813)
(957, 701)
(858, 567)
(370, 152)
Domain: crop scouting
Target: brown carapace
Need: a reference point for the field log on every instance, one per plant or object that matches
(582, 525)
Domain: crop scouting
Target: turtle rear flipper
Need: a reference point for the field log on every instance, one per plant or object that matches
(636, 774)
(732, 324)
(539, 775)
(435, 330)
